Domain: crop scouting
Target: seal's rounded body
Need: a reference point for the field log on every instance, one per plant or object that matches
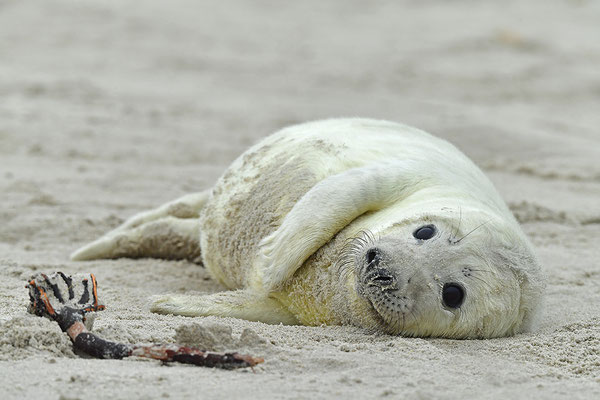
(252, 198)
(362, 222)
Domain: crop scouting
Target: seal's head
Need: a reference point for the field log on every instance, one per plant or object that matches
(428, 277)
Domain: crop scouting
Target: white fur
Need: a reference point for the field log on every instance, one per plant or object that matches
(330, 179)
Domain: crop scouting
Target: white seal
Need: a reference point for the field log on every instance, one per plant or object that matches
(348, 221)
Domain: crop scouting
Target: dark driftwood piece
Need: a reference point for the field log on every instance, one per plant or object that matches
(55, 297)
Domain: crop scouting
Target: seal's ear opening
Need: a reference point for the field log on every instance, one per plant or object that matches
(527, 270)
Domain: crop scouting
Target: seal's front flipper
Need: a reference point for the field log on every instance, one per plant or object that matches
(327, 208)
(243, 304)
(171, 231)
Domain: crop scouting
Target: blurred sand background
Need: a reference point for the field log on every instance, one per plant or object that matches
(108, 108)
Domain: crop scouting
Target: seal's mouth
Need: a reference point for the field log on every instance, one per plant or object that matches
(393, 315)
(388, 307)
(380, 279)
(391, 301)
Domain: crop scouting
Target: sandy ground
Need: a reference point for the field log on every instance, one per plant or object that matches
(109, 108)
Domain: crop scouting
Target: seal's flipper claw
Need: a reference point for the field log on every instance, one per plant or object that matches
(244, 304)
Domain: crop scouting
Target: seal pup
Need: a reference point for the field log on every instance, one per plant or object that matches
(347, 221)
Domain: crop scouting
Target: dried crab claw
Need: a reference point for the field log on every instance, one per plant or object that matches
(67, 299)
(52, 295)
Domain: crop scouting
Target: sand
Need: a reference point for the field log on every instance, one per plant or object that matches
(109, 108)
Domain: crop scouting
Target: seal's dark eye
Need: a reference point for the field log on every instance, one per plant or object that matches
(371, 255)
(453, 295)
(425, 232)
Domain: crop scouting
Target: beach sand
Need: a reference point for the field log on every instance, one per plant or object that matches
(110, 108)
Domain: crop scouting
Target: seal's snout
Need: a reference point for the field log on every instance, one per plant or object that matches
(391, 284)
(375, 274)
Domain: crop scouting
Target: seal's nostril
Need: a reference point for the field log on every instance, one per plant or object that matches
(372, 257)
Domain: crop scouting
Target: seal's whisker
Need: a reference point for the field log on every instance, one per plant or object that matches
(403, 322)
(473, 230)
(343, 268)
(412, 312)
(351, 250)
(484, 282)
(381, 324)
(479, 279)
(413, 275)
(370, 237)
(452, 238)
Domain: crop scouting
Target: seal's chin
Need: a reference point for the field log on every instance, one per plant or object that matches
(393, 313)
(378, 318)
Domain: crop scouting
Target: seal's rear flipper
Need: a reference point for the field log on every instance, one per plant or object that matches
(171, 231)
(243, 304)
